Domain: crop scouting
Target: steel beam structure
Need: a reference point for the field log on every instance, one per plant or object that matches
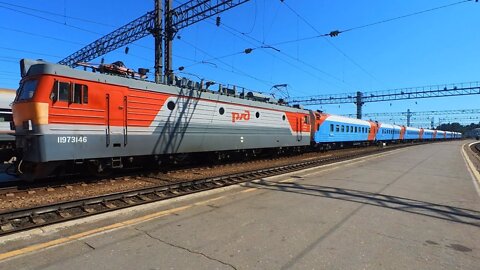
(132, 31)
(187, 14)
(459, 89)
(447, 90)
(198, 10)
(173, 19)
(420, 113)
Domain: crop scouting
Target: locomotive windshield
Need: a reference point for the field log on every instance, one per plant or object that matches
(26, 90)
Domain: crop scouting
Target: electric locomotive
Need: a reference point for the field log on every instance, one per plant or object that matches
(66, 117)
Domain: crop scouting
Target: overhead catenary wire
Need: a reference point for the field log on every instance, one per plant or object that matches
(256, 41)
(265, 82)
(335, 33)
(50, 20)
(57, 14)
(328, 41)
(61, 23)
(406, 16)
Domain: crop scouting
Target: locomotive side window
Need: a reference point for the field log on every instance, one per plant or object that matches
(80, 94)
(63, 91)
(85, 94)
(306, 120)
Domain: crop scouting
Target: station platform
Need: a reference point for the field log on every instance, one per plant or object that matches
(412, 208)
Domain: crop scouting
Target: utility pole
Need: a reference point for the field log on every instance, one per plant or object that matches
(157, 33)
(409, 115)
(169, 34)
(359, 102)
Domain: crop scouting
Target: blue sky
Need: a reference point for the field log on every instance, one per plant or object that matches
(436, 47)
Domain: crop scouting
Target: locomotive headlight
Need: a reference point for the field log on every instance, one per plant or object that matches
(27, 125)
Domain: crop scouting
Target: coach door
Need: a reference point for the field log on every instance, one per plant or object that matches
(116, 120)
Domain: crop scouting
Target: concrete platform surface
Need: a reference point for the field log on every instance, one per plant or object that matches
(414, 208)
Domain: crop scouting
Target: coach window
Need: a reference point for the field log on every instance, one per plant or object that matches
(337, 128)
(343, 128)
(306, 119)
(331, 127)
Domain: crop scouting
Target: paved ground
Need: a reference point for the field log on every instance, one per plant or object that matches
(416, 208)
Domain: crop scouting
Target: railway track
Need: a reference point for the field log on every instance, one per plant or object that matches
(28, 218)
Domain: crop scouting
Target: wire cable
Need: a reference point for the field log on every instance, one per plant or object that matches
(328, 41)
(56, 14)
(335, 33)
(405, 16)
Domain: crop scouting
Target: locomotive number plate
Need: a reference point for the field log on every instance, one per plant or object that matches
(72, 139)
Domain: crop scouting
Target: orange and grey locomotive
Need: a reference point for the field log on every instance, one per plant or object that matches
(67, 117)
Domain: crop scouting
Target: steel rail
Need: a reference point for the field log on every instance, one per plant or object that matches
(28, 218)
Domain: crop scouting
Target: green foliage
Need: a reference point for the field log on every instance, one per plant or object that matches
(466, 130)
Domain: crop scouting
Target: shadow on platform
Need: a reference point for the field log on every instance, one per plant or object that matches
(445, 212)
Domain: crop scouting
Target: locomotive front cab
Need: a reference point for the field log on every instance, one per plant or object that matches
(30, 114)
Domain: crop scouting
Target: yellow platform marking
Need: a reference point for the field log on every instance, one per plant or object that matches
(471, 168)
(141, 219)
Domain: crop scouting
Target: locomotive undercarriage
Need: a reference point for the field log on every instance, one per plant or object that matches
(103, 167)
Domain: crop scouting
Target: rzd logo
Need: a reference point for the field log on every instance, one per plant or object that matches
(240, 116)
